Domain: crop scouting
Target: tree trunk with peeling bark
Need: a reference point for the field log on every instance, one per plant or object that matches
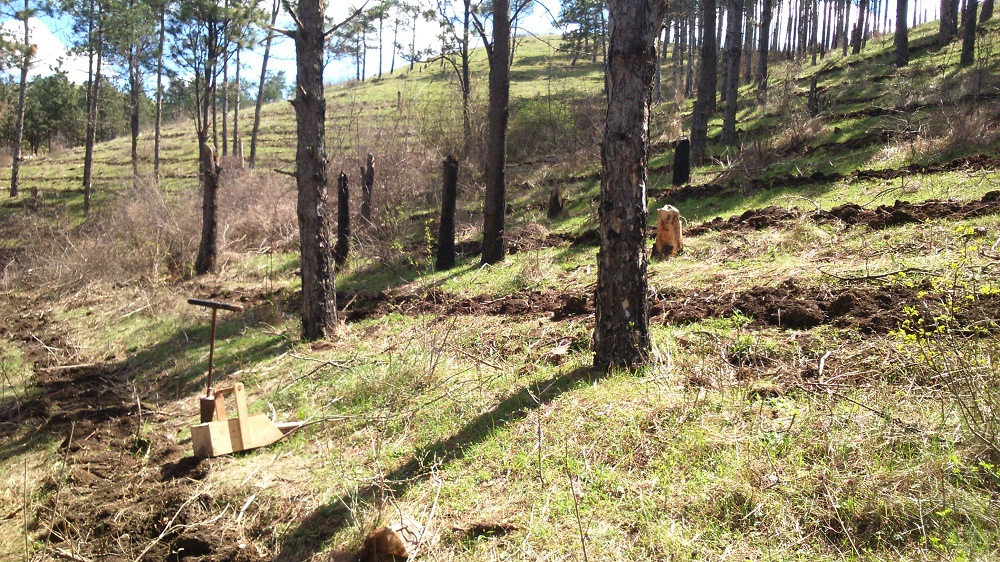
(621, 330)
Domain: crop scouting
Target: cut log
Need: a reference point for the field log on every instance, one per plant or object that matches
(668, 232)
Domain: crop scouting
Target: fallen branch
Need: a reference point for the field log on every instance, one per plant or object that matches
(67, 555)
(67, 367)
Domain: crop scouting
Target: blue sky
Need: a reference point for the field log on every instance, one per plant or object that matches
(53, 34)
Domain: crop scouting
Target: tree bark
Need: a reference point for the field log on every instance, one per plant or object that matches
(901, 40)
(762, 48)
(947, 25)
(95, 88)
(318, 285)
(343, 246)
(621, 329)
(748, 37)
(682, 162)
(495, 205)
(814, 33)
(260, 90)
(207, 249)
(135, 92)
(987, 13)
(236, 110)
(159, 95)
(225, 99)
(969, 33)
(446, 233)
(846, 28)
(367, 181)
(859, 30)
(22, 91)
(706, 84)
(734, 47)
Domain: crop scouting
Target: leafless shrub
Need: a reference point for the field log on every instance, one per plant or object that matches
(144, 234)
(257, 211)
(140, 235)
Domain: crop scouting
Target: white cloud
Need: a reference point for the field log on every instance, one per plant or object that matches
(50, 51)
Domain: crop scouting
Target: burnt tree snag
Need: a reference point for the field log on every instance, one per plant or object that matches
(446, 233)
(343, 246)
(555, 201)
(682, 161)
(621, 330)
(367, 181)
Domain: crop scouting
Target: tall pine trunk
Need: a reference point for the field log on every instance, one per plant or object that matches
(845, 30)
(706, 84)
(207, 248)
(762, 48)
(734, 47)
(318, 286)
(208, 166)
(621, 328)
(236, 109)
(901, 40)
(859, 30)
(135, 93)
(748, 36)
(969, 33)
(225, 99)
(494, 208)
(159, 95)
(260, 89)
(21, 95)
(92, 99)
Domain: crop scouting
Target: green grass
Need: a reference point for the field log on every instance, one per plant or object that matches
(730, 444)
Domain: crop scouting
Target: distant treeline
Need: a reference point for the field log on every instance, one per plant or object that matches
(55, 110)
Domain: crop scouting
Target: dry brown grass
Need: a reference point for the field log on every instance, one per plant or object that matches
(145, 235)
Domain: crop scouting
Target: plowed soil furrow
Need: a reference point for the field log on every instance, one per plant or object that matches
(122, 487)
(851, 214)
(869, 309)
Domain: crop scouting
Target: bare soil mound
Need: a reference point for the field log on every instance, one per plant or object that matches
(867, 308)
(851, 214)
(119, 493)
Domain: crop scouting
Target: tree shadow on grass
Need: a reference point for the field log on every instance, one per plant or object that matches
(317, 528)
(102, 393)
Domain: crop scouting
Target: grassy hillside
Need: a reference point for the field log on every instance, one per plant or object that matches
(822, 384)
